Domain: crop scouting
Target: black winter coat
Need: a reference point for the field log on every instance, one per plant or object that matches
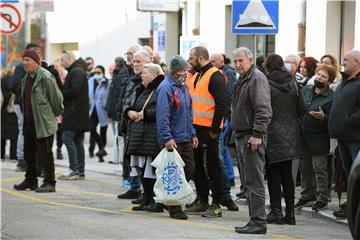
(76, 98)
(143, 134)
(284, 131)
(9, 124)
(116, 93)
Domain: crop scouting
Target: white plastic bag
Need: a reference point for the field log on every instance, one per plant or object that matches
(171, 187)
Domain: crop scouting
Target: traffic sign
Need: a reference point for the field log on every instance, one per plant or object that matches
(255, 16)
(10, 18)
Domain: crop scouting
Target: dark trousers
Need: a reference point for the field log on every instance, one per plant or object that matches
(208, 174)
(280, 174)
(59, 141)
(348, 153)
(187, 154)
(100, 140)
(13, 147)
(41, 147)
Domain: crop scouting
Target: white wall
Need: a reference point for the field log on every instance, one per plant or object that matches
(357, 26)
(103, 29)
(315, 28)
(212, 25)
(290, 15)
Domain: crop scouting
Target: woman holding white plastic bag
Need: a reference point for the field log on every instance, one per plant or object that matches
(174, 120)
(142, 145)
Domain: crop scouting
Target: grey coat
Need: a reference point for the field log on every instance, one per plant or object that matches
(251, 104)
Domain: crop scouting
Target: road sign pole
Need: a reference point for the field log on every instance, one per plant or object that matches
(27, 27)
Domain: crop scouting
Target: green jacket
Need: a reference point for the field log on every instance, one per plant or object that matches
(316, 134)
(46, 102)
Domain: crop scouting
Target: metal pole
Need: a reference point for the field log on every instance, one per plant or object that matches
(27, 23)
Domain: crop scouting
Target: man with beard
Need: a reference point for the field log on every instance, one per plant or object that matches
(207, 88)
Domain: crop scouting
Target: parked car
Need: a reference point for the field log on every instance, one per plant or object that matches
(353, 194)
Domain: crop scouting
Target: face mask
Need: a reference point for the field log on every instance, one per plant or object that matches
(97, 77)
(319, 84)
(288, 67)
(182, 78)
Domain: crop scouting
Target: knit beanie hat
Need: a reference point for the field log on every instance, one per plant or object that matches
(177, 63)
(33, 55)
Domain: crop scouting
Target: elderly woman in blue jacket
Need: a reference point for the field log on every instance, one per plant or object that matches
(99, 87)
(175, 120)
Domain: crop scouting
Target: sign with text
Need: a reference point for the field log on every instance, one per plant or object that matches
(158, 5)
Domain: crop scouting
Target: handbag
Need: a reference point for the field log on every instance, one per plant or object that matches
(10, 106)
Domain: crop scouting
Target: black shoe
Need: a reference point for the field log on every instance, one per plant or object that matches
(252, 228)
(177, 213)
(289, 220)
(101, 153)
(154, 207)
(91, 154)
(45, 188)
(101, 159)
(303, 203)
(230, 205)
(59, 155)
(139, 208)
(130, 194)
(273, 218)
(195, 202)
(20, 168)
(242, 195)
(25, 185)
(319, 205)
(232, 183)
(139, 200)
(342, 212)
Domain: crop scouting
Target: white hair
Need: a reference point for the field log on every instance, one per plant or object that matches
(144, 54)
(246, 52)
(295, 58)
(154, 68)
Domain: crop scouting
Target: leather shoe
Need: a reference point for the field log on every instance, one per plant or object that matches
(252, 228)
(45, 188)
(25, 185)
(229, 204)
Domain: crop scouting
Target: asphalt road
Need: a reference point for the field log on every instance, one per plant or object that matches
(89, 209)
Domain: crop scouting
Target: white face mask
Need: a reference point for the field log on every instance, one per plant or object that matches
(288, 67)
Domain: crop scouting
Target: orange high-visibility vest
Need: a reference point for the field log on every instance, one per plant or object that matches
(203, 102)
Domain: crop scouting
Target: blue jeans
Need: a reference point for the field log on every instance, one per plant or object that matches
(226, 161)
(74, 142)
(348, 153)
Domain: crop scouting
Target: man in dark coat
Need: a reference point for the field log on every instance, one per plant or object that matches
(75, 117)
(251, 117)
(344, 120)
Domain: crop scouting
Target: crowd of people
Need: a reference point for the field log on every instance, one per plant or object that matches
(282, 116)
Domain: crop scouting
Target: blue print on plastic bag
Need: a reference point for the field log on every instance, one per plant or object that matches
(171, 178)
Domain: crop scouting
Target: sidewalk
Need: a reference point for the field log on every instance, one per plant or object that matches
(92, 165)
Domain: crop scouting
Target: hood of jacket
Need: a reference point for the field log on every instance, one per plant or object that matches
(281, 80)
(80, 63)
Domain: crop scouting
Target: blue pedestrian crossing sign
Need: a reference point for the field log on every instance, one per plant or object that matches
(255, 16)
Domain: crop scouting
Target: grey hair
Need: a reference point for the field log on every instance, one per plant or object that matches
(244, 50)
(134, 48)
(154, 68)
(69, 54)
(295, 58)
(144, 54)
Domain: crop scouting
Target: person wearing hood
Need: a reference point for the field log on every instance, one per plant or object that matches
(318, 99)
(99, 87)
(75, 119)
(284, 140)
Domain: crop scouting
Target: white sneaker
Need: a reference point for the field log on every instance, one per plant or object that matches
(69, 176)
